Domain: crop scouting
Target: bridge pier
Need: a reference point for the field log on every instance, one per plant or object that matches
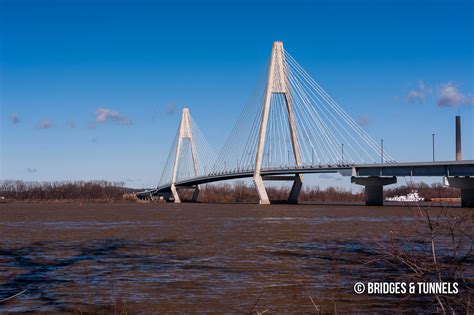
(177, 199)
(373, 188)
(295, 189)
(294, 192)
(466, 184)
(195, 196)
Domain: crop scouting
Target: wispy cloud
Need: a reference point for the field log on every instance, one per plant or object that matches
(450, 96)
(31, 170)
(418, 95)
(170, 108)
(44, 124)
(91, 125)
(14, 118)
(103, 115)
(363, 120)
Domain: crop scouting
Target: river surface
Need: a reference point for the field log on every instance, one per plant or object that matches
(218, 258)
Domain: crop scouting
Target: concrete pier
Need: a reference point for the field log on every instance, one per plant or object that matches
(373, 188)
(295, 189)
(466, 184)
(175, 189)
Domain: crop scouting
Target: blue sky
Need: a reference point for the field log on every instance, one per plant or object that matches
(93, 89)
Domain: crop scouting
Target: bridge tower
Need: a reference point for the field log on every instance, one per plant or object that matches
(277, 83)
(185, 133)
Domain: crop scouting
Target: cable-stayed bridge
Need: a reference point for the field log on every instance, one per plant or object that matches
(291, 128)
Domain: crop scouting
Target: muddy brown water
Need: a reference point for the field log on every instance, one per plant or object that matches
(196, 258)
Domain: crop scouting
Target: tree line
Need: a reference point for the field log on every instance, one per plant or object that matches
(240, 192)
(102, 190)
(99, 190)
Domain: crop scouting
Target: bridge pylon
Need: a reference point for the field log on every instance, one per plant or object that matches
(185, 133)
(277, 83)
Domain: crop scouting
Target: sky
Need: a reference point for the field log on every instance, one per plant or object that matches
(93, 89)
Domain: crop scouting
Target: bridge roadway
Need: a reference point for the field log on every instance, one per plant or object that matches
(372, 176)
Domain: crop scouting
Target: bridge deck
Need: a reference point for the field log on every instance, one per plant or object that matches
(441, 168)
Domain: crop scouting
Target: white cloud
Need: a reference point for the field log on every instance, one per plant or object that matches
(363, 120)
(31, 170)
(418, 95)
(170, 108)
(44, 124)
(103, 114)
(450, 96)
(91, 125)
(14, 118)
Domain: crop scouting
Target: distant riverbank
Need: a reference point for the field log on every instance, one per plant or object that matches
(103, 191)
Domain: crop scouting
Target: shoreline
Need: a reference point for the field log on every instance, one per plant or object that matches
(438, 204)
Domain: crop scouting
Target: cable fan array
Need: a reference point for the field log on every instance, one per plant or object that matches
(325, 134)
(186, 165)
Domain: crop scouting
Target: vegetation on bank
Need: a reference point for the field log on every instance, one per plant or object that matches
(439, 250)
(240, 192)
(105, 191)
(99, 190)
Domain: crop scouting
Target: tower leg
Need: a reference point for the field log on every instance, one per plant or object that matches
(295, 189)
(174, 191)
(195, 194)
(261, 191)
